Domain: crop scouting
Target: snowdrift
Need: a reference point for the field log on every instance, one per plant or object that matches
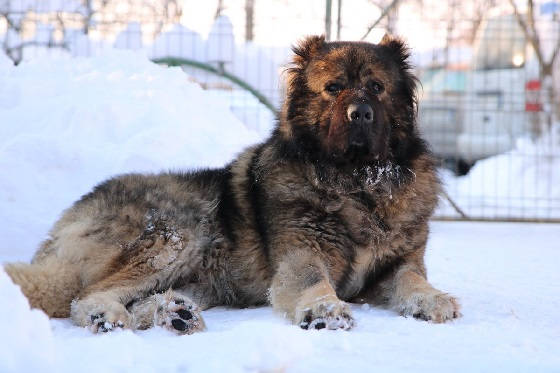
(69, 123)
(521, 183)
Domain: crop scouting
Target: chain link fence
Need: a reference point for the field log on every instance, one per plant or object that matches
(489, 74)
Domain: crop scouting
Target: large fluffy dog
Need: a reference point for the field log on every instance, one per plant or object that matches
(333, 207)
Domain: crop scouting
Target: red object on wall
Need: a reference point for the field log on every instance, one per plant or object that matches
(532, 96)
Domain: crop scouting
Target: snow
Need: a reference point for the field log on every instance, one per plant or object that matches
(66, 124)
(504, 274)
(521, 183)
(256, 65)
(83, 120)
(27, 340)
(5, 61)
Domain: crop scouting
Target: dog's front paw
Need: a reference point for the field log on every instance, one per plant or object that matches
(179, 315)
(327, 314)
(436, 307)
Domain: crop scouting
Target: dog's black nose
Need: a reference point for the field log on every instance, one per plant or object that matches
(360, 113)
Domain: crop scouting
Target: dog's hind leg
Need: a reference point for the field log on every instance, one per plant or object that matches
(104, 306)
(149, 265)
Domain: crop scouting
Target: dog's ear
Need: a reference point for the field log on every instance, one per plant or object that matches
(396, 47)
(306, 49)
(405, 87)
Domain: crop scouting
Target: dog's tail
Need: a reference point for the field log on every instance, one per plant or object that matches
(47, 286)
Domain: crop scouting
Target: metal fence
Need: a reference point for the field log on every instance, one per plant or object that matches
(487, 107)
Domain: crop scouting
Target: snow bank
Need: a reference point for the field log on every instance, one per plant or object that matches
(508, 294)
(26, 342)
(257, 65)
(4, 60)
(522, 183)
(67, 124)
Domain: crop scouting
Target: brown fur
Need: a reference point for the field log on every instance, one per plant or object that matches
(304, 221)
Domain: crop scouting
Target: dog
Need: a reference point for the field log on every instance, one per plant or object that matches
(332, 208)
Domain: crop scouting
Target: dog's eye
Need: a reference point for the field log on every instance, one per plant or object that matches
(333, 88)
(376, 87)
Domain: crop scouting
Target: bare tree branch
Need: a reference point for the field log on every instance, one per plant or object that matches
(339, 19)
(480, 11)
(528, 29)
(454, 205)
(11, 24)
(555, 53)
(219, 9)
(545, 67)
(383, 14)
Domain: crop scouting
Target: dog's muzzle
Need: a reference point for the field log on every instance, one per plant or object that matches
(360, 118)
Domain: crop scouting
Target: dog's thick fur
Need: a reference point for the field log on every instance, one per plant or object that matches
(304, 221)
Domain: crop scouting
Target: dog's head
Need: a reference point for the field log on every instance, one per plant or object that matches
(350, 102)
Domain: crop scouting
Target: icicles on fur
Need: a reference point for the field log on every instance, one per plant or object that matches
(381, 178)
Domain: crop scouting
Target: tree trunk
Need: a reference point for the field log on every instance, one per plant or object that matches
(339, 20)
(219, 9)
(546, 71)
(88, 16)
(249, 19)
(328, 13)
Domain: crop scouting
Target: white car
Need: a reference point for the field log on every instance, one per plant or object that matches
(494, 103)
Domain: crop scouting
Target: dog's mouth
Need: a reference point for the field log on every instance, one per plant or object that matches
(358, 149)
(366, 148)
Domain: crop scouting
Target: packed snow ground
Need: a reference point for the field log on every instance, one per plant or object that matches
(66, 124)
(505, 275)
(521, 183)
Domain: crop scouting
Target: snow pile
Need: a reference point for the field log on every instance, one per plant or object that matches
(68, 124)
(5, 61)
(26, 342)
(522, 183)
(259, 66)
